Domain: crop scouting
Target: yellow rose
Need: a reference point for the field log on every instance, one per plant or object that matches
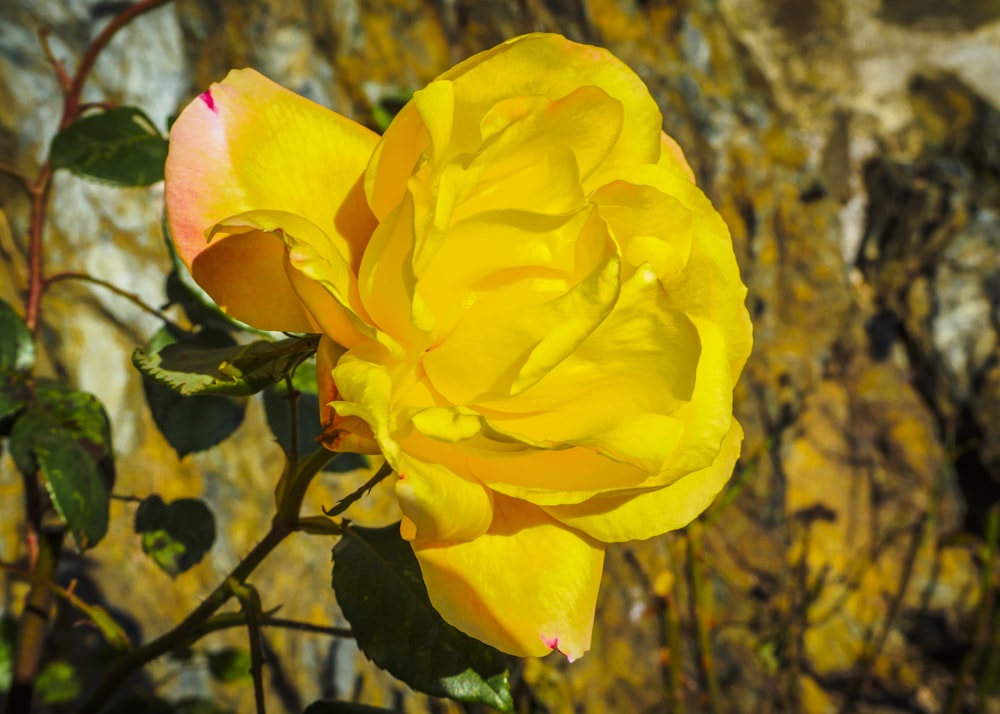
(526, 305)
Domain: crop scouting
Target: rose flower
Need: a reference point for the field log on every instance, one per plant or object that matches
(526, 305)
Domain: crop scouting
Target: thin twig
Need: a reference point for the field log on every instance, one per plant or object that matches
(86, 277)
(62, 76)
(20, 178)
(72, 104)
(237, 619)
(700, 613)
(112, 632)
(347, 501)
(980, 652)
(250, 599)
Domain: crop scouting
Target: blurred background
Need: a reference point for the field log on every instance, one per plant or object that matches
(853, 147)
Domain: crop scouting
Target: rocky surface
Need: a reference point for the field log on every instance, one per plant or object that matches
(853, 147)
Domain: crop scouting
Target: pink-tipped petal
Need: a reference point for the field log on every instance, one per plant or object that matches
(526, 586)
(248, 144)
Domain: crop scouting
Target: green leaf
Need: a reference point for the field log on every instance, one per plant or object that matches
(120, 146)
(17, 346)
(58, 683)
(229, 665)
(64, 435)
(201, 365)
(192, 425)
(279, 418)
(175, 535)
(329, 706)
(379, 587)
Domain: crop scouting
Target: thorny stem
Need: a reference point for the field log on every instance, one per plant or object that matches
(34, 619)
(285, 522)
(250, 599)
(34, 623)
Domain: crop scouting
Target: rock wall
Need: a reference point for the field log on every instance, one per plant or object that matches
(853, 147)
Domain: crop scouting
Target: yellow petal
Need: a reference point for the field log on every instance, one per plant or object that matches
(649, 225)
(387, 284)
(715, 290)
(319, 276)
(618, 391)
(672, 157)
(511, 70)
(248, 144)
(520, 331)
(438, 504)
(246, 273)
(526, 587)
(552, 476)
(614, 518)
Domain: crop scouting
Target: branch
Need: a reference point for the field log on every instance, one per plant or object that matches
(86, 277)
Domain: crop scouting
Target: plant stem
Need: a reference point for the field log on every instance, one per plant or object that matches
(250, 599)
(700, 612)
(85, 277)
(113, 633)
(72, 104)
(34, 623)
(238, 619)
(345, 503)
(284, 523)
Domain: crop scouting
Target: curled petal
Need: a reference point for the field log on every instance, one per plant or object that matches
(439, 505)
(248, 144)
(672, 157)
(527, 586)
(614, 518)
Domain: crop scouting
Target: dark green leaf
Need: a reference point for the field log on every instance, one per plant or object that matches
(14, 397)
(120, 146)
(328, 706)
(58, 683)
(200, 365)
(17, 346)
(229, 665)
(380, 589)
(279, 418)
(192, 425)
(64, 435)
(175, 535)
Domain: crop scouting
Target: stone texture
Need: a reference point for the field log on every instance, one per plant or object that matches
(851, 146)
